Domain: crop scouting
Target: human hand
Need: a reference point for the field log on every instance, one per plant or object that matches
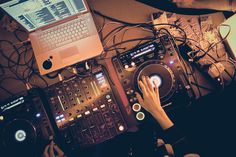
(151, 102)
(151, 99)
(204, 4)
(50, 150)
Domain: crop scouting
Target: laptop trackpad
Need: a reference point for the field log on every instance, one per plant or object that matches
(69, 54)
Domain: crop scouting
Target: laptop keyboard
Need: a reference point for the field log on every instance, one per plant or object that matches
(64, 34)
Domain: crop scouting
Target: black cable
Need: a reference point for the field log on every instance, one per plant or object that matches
(11, 54)
(52, 75)
(116, 20)
(7, 91)
(200, 86)
(2, 71)
(131, 40)
(179, 54)
(16, 35)
(215, 44)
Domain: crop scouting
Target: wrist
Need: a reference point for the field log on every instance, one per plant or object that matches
(163, 119)
(233, 7)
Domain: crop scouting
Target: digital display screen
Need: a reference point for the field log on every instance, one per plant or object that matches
(33, 14)
(12, 104)
(142, 51)
(101, 80)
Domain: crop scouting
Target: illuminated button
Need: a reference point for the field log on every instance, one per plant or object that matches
(136, 107)
(108, 96)
(121, 128)
(87, 113)
(38, 115)
(171, 62)
(71, 119)
(131, 100)
(57, 117)
(20, 135)
(102, 106)
(61, 116)
(1, 118)
(130, 92)
(109, 100)
(126, 66)
(79, 116)
(157, 79)
(140, 116)
(63, 119)
(95, 109)
(133, 64)
(59, 121)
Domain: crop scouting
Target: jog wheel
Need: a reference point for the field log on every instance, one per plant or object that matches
(19, 136)
(161, 74)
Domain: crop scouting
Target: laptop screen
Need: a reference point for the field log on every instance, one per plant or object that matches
(33, 14)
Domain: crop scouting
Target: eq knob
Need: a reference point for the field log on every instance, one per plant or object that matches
(140, 116)
(136, 107)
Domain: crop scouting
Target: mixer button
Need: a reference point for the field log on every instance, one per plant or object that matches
(108, 96)
(95, 109)
(131, 100)
(71, 119)
(121, 128)
(79, 116)
(133, 64)
(102, 106)
(87, 112)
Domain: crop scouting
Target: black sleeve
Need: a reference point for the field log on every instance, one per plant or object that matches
(178, 141)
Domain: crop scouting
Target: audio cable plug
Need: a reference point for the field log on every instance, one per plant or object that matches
(60, 77)
(75, 71)
(87, 66)
(28, 86)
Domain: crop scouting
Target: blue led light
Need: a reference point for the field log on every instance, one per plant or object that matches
(38, 115)
(171, 62)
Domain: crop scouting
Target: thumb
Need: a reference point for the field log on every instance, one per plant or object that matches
(140, 99)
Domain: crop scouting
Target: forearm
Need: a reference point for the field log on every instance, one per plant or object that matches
(233, 6)
(227, 5)
(177, 140)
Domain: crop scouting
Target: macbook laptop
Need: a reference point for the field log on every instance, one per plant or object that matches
(228, 31)
(62, 32)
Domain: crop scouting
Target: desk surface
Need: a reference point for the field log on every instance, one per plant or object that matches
(135, 12)
(129, 11)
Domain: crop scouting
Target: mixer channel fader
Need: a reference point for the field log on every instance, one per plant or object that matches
(85, 109)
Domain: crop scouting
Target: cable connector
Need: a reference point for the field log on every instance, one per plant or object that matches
(75, 71)
(87, 66)
(60, 77)
(28, 86)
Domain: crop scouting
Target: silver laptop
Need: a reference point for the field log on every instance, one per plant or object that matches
(62, 32)
(228, 31)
